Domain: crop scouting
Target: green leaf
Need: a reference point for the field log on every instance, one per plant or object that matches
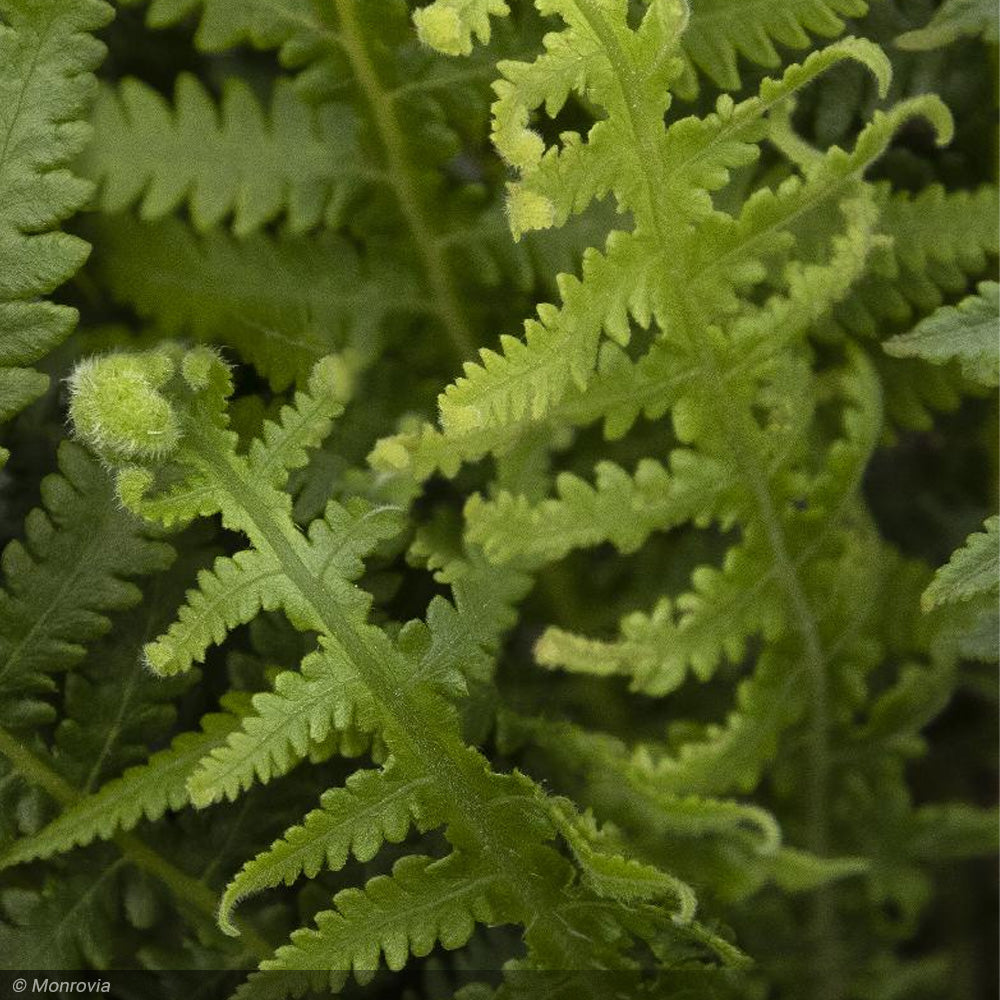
(968, 332)
(228, 162)
(971, 572)
(372, 808)
(146, 791)
(47, 58)
(954, 19)
(424, 902)
(68, 575)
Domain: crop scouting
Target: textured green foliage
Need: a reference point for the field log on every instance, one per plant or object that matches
(972, 571)
(967, 332)
(67, 575)
(625, 672)
(952, 20)
(47, 55)
(230, 161)
(282, 303)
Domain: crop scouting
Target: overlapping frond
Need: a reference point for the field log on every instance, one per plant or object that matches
(373, 808)
(655, 651)
(47, 58)
(939, 240)
(72, 570)
(511, 528)
(296, 162)
(966, 333)
(146, 791)
(281, 302)
(720, 32)
(423, 903)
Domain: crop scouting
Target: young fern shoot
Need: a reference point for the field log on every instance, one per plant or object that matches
(160, 420)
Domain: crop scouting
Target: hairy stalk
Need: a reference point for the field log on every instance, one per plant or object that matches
(185, 889)
(411, 713)
(737, 429)
(404, 184)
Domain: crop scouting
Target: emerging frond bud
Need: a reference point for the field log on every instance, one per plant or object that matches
(117, 408)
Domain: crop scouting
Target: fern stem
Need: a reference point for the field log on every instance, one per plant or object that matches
(740, 430)
(404, 183)
(411, 712)
(185, 888)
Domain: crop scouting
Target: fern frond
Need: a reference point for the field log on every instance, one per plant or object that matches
(698, 272)
(609, 873)
(64, 580)
(323, 699)
(423, 903)
(47, 58)
(971, 572)
(719, 32)
(939, 240)
(282, 302)
(732, 756)
(374, 807)
(304, 424)
(724, 608)
(300, 32)
(230, 594)
(510, 528)
(966, 332)
(951, 21)
(360, 685)
(449, 25)
(297, 162)
(146, 791)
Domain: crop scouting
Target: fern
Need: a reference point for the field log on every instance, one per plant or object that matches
(358, 679)
(145, 791)
(705, 491)
(48, 57)
(47, 613)
(281, 303)
(148, 153)
(965, 332)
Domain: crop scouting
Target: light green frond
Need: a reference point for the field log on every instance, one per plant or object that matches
(609, 873)
(720, 31)
(511, 528)
(325, 697)
(968, 332)
(939, 240)
(304, 424)
(231, 593)
(71, 571)
(954, 19)
(227, 161)
(147, 791)
(645, 275)
(423, 903)
(282, 301)
(800, 871)
(972, 571)
(450, 25)
(731, 756)
(47, 58)
(372, 808)
(560, 347)
(724, 608)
